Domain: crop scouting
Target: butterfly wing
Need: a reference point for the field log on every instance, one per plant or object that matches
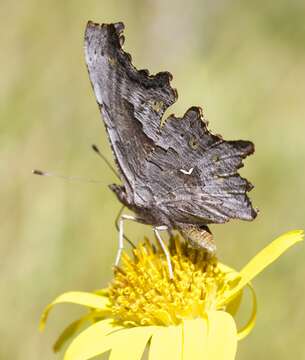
(180, 170)
(131, 102)
(196, 173)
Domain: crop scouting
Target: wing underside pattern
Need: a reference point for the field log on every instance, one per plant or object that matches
(181, 168)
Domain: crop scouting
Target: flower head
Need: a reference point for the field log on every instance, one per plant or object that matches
(142, 293)
(189, 316)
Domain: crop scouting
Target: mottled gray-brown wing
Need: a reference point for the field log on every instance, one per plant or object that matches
(131, 101)
(194, 173)
(181, 168)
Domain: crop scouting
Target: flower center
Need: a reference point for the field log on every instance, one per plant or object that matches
(143, 294)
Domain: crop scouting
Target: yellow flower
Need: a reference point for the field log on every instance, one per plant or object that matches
(189, 317)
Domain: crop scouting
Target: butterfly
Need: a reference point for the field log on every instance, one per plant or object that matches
(177, 175)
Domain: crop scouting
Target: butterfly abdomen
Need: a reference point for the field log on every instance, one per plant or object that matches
(198, 236)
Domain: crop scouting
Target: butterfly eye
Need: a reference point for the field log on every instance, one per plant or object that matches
(193, 143)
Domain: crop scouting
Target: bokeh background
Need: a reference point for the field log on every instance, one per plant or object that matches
(242, 61)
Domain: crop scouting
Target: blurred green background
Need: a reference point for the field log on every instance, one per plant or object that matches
(242, 61)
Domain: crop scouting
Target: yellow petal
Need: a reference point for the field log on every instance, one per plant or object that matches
(195, 334)
(69, 331)
(234, 304)
(225, 268)
(166, 343)
(222, 336)
(251, 323)
(130, 343)
(75, 297)
(263, 259)
(92, 341)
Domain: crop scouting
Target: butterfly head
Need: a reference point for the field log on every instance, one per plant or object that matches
(120, 192)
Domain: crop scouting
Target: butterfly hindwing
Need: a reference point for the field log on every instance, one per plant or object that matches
(196, 172)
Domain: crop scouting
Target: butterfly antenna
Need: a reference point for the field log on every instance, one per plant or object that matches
(70, 178)
(98, 152)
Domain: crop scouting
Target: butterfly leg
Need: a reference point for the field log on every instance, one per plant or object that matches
(171, 237)
(121, 236)
(165, 249)
(117, 226)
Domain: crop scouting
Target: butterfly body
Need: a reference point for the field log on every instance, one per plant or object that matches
(177, 175)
